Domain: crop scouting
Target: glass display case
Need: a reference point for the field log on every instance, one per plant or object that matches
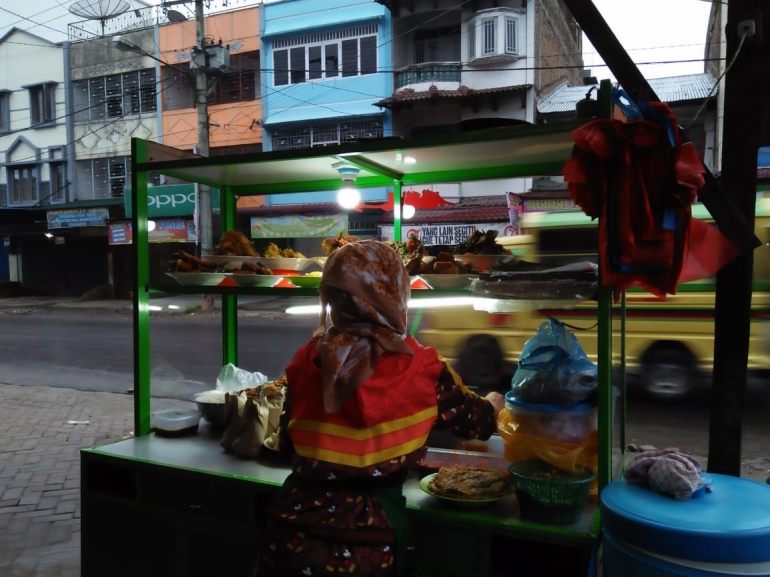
(138, 482)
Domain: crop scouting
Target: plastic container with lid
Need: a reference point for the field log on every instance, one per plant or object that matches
(724, 532)
(175, 422)
(573, 425)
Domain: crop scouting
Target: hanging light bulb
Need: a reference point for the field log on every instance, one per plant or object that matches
(408, 211)
(348, 196)
(150, 225)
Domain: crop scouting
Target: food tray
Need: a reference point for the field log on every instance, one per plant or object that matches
(198, 278)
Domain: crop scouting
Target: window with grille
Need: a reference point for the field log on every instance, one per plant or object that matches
(108, 177)
(22, 183)
(240, 83)
(348, 52)
(178, 87)
(116, 95)
(493, 33)
(41, 103)
(326, 134)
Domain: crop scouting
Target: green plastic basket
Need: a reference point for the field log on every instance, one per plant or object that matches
(550, 500)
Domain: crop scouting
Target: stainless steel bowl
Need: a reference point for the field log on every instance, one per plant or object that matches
(214, 413)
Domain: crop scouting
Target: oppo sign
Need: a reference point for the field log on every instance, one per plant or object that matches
(171, 200)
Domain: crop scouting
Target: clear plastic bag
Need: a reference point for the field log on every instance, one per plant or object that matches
(554, 369)
(232, 379)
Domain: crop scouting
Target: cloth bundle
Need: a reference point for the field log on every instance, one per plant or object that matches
(666, 471)
(640, 179)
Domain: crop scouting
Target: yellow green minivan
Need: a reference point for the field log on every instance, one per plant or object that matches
(669, 344)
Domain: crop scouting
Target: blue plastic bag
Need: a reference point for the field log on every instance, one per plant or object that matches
(554, 369)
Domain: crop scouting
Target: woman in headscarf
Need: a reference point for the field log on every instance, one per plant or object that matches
(362, 398)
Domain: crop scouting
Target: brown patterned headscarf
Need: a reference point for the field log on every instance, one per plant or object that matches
(366, 287)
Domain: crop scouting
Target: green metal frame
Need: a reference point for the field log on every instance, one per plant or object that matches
(142, 163)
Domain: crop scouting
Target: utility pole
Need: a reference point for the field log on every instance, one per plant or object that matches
(201, 102)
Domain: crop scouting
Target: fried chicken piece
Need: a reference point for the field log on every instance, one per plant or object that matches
(234, 243)
(329, 245)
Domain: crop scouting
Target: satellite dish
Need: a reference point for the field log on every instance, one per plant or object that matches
(175, 16)
(101, 10)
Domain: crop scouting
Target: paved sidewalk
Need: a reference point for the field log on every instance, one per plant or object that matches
(42, 430)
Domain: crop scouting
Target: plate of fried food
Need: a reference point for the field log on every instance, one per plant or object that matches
(468, 486)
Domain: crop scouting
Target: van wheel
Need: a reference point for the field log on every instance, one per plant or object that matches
(668, 375)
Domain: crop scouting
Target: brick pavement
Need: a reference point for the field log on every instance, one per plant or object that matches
(40, 472)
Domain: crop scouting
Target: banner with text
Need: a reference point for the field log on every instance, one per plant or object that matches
(77, 217)
(172, 230)
(446, 234)
(299, 225)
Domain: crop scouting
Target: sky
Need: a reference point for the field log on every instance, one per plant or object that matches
(649, 30)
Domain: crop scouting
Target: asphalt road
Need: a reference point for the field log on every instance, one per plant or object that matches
(86, 350)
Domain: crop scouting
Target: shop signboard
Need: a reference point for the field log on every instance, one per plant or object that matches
(547, 204)
(170, 200)
(77, 217)
(299, 225)
(166, 230)
(445, 234)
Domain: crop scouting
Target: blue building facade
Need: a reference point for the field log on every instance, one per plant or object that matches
(324, 66)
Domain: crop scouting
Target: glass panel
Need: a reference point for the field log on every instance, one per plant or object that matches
(281, 67)
(114, 93)
(131, 93)
(147, 90)
(331, 60)
(315, 70)
(96, 98)
(117, 176)
(297, 65)
(369, 55)
(350, 57)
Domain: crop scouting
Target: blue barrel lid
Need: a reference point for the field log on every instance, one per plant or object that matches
(512, 399)
(731, 524)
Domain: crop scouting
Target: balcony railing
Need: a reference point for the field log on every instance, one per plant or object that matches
(428, 72)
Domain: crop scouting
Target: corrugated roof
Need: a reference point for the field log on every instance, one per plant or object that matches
(669, 89)
(410, 95)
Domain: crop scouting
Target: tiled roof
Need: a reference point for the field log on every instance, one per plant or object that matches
(491, 208)
(671, 89)
(410, 95)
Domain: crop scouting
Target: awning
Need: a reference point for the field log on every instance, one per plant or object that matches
(328, 110)
(277, 23)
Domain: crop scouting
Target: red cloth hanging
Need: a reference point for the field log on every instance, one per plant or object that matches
(641, 188)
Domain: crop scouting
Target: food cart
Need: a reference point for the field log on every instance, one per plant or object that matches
(154, 505)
